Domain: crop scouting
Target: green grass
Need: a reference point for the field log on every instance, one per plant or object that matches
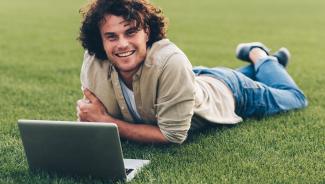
(40, 61)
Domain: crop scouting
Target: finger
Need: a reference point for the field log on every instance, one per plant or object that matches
(80, 103)
(85, 100)
(82, 106)
(78, 112)
(81, 116)
(90, 96)
(78, 116)
(81, 110)
(85, 107)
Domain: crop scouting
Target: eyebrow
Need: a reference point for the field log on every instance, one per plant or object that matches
(130, 28)
(109, 34)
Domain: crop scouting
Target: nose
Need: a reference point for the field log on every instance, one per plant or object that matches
(123, 43)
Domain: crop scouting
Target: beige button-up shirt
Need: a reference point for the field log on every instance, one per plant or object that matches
(166, 92)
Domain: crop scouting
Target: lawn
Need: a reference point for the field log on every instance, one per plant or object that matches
(40, 61)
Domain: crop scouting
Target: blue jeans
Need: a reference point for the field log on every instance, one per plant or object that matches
(259, 90)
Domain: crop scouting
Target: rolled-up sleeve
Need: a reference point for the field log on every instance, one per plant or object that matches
(175, 99)
(84, 78)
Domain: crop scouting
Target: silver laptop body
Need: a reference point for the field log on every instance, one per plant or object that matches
(77, 148)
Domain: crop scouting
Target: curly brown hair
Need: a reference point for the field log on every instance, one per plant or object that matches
(145, 15)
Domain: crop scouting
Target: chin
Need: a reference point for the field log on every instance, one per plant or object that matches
(128, 69)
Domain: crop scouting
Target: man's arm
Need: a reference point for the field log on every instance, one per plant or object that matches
(139, 132)
(93, 110)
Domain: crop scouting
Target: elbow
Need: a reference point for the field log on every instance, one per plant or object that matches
(178, 137)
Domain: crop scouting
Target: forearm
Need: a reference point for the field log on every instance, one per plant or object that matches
(91, 109)
(138, 132)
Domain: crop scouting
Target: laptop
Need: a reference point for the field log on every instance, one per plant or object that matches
(77, 148)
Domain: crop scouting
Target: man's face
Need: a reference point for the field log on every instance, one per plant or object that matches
(124, 44)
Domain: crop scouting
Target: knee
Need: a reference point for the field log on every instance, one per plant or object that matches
(303, 101)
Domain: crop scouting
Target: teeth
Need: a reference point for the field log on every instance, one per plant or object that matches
(125, 54)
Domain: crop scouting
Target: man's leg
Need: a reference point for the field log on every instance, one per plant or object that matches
(282, 55)
(268, 71)
(271, 92)
(248, 71)
(281, 92)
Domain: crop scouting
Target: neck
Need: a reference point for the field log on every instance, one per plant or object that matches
(127, 78)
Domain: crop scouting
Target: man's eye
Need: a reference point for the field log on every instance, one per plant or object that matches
(111, 38)
(131, 32)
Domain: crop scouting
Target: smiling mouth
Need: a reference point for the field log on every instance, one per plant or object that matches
(125, 54)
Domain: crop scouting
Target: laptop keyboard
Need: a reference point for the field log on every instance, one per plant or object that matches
(128, 171)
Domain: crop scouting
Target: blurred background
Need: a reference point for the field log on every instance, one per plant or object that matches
(40, 60)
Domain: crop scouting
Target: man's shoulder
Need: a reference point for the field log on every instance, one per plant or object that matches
(94, 69)
(161, 51)
(91, 62)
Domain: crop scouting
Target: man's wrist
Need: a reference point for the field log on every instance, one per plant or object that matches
(106, 119)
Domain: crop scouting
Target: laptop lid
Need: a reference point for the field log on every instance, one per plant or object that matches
(73, 148)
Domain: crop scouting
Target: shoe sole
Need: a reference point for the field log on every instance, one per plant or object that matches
(283, 55)
(243, 49)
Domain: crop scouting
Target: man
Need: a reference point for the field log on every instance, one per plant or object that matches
(136, 78)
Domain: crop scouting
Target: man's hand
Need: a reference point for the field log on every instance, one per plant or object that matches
(90, 108)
